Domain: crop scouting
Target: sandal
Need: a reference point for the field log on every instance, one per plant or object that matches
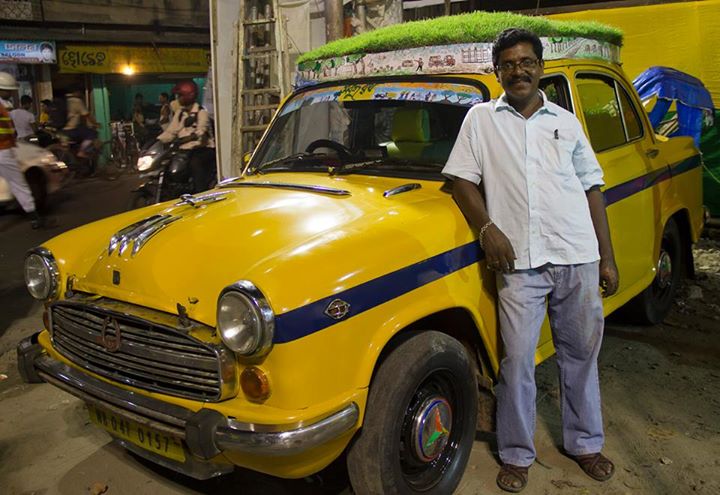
(597, 466)
(512, 478)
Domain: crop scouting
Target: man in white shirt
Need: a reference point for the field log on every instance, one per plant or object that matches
(541, 222)
(23, 118)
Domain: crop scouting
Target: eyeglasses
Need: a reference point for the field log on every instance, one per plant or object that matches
(524, 64)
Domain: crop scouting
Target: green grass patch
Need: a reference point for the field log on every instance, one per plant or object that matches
(475, 27)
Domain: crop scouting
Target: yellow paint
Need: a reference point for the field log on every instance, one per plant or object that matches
(299, 247)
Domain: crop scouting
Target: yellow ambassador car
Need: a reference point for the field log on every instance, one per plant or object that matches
(333, 298)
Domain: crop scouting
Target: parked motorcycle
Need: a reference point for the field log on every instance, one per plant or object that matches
(167, 170)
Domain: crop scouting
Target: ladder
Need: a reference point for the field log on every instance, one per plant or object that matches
(264, 73)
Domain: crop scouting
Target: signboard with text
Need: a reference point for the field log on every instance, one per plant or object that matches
(27, 52)
(103, 59)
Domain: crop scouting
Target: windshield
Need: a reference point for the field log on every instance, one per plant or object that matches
(397, 128)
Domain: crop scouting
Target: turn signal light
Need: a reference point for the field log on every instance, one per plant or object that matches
(255, 384)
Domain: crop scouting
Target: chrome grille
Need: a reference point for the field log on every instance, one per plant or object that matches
(149, 355)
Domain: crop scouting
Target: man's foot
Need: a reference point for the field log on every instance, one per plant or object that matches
(512, 478)
(597, 466)
(36, 221)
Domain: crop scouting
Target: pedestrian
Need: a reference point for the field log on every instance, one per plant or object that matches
(44, 116)
(9, 166)
(166, 112)
(527, 179)
(80, 124)
(190, 127)
(23, 119)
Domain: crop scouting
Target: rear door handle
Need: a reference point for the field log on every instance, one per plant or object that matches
(652, 152)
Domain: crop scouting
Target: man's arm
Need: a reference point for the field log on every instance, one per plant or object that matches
(172, 130)
(499, 252)
(609, 277)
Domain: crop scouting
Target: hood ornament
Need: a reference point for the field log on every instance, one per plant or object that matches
(139, 233)
(197, 201)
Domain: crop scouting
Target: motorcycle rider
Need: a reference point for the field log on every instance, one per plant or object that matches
(9, 166)
(191, 127)
(80, 125)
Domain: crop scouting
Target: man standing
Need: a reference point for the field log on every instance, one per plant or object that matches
(9, 167)
(165, 111)
(23, 118)
(542, 224)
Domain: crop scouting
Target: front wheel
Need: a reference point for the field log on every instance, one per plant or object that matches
(419, 424)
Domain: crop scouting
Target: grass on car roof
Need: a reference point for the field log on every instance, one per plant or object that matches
(474, 27)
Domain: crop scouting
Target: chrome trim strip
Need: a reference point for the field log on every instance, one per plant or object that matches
(249, 290)
(196, 201)
(148, 233)
(291, 442)
(401, 189)
(52, 267)
(298, 187)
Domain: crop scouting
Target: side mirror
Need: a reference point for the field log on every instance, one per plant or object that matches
(246, 157)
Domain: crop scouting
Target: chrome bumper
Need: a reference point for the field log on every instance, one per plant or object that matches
(206, 432)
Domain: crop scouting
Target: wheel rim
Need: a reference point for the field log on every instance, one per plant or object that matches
(664, 270)
(431, 431)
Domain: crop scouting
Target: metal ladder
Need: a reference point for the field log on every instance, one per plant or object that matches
(264, 73)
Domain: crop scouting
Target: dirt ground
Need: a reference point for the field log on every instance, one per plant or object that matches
(661, 406)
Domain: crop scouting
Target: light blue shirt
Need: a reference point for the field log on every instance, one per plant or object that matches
(535, 173)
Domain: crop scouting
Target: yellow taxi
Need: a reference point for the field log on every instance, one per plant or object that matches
(333, 298)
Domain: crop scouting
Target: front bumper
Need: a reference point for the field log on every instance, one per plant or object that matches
(207, 433)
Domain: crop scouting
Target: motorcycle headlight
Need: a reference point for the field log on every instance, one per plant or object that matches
(245, 320)
(145, 162)
(41, 274)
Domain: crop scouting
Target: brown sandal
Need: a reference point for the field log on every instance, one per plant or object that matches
(597, 466)
(512, 478)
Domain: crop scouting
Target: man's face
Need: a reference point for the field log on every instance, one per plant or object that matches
(520, 83)
(47, 54)
(186, 100)
(163, 99)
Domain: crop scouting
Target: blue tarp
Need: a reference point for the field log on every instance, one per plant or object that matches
(688, 92)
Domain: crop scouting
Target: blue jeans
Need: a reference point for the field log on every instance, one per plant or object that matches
(571, 296)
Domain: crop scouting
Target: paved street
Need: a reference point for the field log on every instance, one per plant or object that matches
(661, 389)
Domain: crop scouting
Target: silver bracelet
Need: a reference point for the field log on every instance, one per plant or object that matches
(481, 234)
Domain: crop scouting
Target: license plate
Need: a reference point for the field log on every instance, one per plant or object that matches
(142, 436)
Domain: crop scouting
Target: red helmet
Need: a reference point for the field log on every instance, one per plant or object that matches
(186, 89)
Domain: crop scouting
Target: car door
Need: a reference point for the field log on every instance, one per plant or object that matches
(631, 162)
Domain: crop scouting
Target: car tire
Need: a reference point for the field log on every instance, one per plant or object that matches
(420, 419)
(652, 305)
(37, 182)
(140, 199)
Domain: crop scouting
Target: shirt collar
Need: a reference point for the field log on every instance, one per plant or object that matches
(502, 104)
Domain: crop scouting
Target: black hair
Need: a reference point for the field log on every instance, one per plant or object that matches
(167, 96)
(47, 103)
(511, 37)
(25, 100)
(46, 45)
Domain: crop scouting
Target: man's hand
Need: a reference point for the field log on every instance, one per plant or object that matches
(499, 253)
(609, 277)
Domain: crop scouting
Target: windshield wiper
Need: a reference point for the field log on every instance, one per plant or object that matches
(285, 160)
(405, 164)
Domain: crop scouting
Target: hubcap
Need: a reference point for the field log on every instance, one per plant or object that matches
(664, 270)
(431, 428)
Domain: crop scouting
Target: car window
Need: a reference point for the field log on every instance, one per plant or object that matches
(557, 91)
(610, 116)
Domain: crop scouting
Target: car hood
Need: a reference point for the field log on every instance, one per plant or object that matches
(296, 245)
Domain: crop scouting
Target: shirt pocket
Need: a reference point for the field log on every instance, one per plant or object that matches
(557, 153)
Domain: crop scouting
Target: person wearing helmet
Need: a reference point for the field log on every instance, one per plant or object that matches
(9, 166)
(190, 126)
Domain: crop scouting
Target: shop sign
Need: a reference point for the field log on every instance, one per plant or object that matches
(27, 52)
(102, 59)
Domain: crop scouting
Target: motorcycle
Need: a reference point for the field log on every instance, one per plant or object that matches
(79, 163)
(166, 169)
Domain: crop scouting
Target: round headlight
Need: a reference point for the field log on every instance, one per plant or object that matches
(245, 321)
(145, 162)
(41, 275)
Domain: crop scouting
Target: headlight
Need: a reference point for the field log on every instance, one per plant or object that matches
(145, 162)
(41, 274)
(245, 320)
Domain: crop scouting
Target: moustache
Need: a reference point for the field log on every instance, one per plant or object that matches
(520, 79)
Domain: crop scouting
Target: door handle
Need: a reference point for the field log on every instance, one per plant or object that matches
(652, 152)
